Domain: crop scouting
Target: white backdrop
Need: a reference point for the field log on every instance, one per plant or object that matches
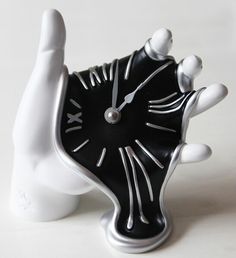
(200, 196)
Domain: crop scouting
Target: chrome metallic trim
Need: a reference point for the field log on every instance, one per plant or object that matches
(122, 105)
(73, 165)
(129, 152)
(112, 116)
(156, 161)
(101, 158)
(158, 70)
(161, 128)
(115, 86)
(185, 83)
(111, 69)
(150, 191)
(79, 76)
(163, 99)
(169, 110)
(104, 71)
(129, 97)
(94, 74)
(153, 54)
(130, 221)
(130, 245)
(75, 103)
(73, 129)
(80, 146)
(74, 118)
(167, 105)
(109, 220)
(129, 64)
(188, 110)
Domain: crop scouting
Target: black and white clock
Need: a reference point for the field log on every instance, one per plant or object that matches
(122, 126)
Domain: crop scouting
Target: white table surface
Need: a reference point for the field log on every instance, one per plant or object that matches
(201, 197)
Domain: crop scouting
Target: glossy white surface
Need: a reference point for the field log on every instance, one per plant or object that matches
(38, 173)
(43, 187)
(201, 196)
(192, 65)
(161, 41)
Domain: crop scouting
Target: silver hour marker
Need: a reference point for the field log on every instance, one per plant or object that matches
(163, 99)
(74, 118)
(157, 101)
(154, 111)
(80, 146)
(130, 156)
(79, 76)
(131, 197)
(128, 67)
(158, 163)
(161, 127)
(73, 129)
(75, 103)
(111, 69)
(144, 173)
(104, 71)
(93, 74)
(101, 158)
(167, 105)
(129, 97)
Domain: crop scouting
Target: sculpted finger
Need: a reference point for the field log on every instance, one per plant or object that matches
(209, 98)
(50, 57)
(187, 70)
(34, 116)
(159, 45)
(194, 153)
(53, 32)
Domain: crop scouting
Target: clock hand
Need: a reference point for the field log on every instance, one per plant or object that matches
(115, 86)
(112, 116)
(129, 98)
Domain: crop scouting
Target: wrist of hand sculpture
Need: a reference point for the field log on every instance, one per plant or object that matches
(120, 126)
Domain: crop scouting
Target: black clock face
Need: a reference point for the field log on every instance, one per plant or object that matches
(122, 121)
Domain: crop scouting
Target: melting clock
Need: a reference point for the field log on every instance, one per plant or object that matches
(122, 126)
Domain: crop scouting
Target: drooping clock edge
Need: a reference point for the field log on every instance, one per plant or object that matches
(118, 241)
(130, 245)
(108, 220)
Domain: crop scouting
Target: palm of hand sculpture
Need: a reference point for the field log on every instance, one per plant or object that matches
(120, 126)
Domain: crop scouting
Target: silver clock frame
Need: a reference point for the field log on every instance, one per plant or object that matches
(109, 220)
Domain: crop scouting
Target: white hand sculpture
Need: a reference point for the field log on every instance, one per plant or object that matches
(43, 187)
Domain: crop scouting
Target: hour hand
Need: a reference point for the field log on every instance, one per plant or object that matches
(128, 99)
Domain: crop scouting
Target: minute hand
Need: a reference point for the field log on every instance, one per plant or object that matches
(129, 98)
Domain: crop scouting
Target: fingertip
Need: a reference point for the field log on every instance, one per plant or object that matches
(161, 41)
(205, 152)
(220, 90)
(195, 153)
(192, 66)
(53, 33)
(163, 33)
